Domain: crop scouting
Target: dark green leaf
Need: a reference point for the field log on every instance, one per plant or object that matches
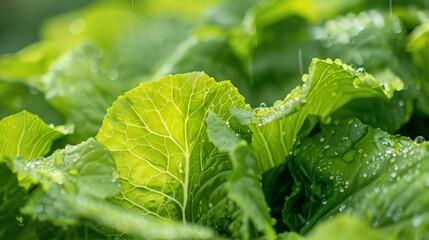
(243, 185)
(12, 198)
(364, 172)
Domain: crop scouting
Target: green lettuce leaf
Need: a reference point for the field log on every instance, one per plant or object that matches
(418, 45)
(79, 75)
(243, 185)
(14, 97)
(29, 63)
(373, 40)
(73, 186)
(167, 166)
(339, 228)
(329, 86)
(26, 135)
(46, 230)
(12, 198)
(56, 181)
(364, 172)
(84, 169)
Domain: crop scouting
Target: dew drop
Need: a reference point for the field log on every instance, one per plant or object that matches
(263, 105)
(349, 156)
(20, 220)
(304, 77)
(278, 104)
(417, 221)
(360, 70)
(113, 75)
(419, 139)
(33, 91)
(357, 81)
(327, 120)
(338, 62)
(73, 172)
(180, 167)
(77, 26)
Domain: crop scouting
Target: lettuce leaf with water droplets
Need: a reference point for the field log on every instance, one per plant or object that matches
(72, 189)
(243, 185)
(364, 172)
(168, 168)
(329, 86)
(26, 135)
(78, 75)
(85, 169)
(373, 40)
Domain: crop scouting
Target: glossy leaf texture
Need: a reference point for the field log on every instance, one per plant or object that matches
(363, 172)
(372, 40)
(78, 75)
(243, 185)
(328, 86)
(72, 187)
(26, 135)
(86, 169)
(418, 45)
(168, 168)
(12, 198)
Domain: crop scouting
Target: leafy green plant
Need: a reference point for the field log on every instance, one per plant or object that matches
(105, 136)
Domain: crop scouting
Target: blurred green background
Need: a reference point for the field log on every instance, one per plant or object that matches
(20, 20)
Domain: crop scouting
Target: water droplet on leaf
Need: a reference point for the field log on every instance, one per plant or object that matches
(73, 172)
(419, 139)
(304, 77)
(360, 70)
(349, 156)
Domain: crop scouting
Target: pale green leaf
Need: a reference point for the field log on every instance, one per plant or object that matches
(87, 168)
(157, 133)
(74, 184)
(26, 135)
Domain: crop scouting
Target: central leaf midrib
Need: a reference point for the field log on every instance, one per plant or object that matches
(187, 153)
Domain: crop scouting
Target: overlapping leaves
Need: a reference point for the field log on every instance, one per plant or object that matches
(168, 168)
(329, 86)
(364, 172)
